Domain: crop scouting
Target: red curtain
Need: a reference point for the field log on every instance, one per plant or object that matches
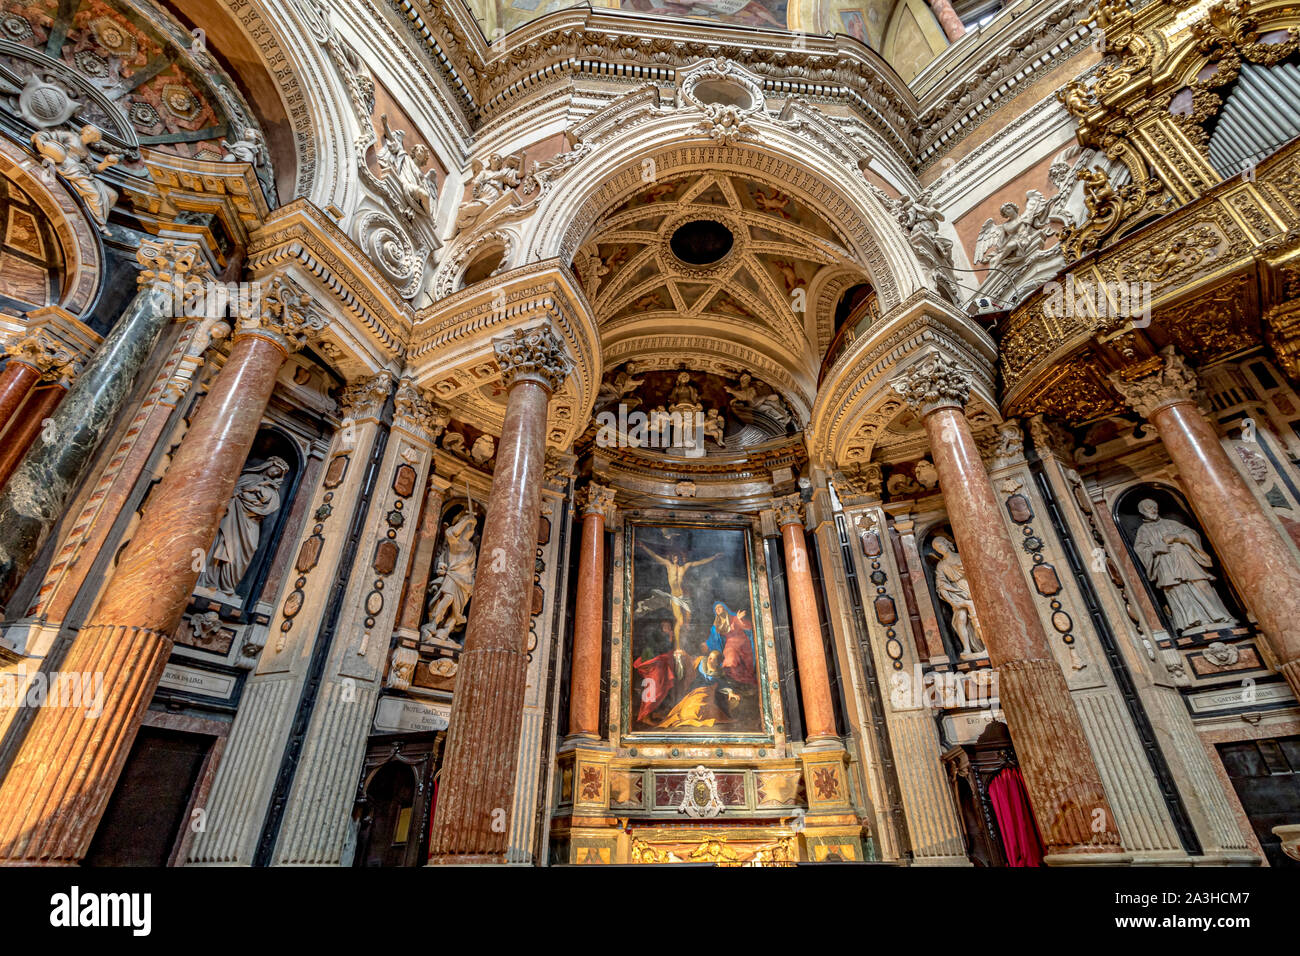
(1015, 820)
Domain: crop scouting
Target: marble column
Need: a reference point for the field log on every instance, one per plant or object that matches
(422, 555)
(953, 28)
(39, 490)
(1064, 785)
(810, 653)
(16, 381)
(424, 547)
(471, 824)
(28, 426)
(53, 797)
(1251, 547)
(594, 502)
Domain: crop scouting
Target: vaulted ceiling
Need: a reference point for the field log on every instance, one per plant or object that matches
(715, 257)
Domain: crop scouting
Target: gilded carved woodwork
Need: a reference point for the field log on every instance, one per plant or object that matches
(1204, 269)
(1147, 103)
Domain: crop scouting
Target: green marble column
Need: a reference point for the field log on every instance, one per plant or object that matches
(37, 494)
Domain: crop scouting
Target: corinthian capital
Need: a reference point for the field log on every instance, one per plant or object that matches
(413, 408)
(934, 382)
(789, 509)
(42, 352)
(365, 399)
(168, 263)
(533, 354)
(280, 310)
(596, 499)
(1168, 384)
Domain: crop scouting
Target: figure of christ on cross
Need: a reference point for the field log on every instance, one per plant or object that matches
(676, 570)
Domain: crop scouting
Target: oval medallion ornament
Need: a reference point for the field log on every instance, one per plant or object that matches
(374, 603)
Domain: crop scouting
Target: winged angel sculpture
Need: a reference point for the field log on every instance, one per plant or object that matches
(1016, 243)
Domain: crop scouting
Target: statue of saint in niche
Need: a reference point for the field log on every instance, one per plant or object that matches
(1175, 562)
(453, 581)
(257, 495)
(950, 582)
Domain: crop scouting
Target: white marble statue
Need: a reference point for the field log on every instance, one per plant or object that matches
(257, 496)
(69, 155)
(950, 582)
(1175, 562)
(453, 581)
(418, 187)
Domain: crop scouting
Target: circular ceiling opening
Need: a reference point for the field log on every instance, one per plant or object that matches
(701, 242)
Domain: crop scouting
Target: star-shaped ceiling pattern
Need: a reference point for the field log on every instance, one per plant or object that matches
(757, 291)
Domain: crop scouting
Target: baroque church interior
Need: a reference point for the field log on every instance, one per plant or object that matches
(745, 432)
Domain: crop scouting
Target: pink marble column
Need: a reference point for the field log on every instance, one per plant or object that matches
(953, 28)
(52, 798)
(476, 789)
(424, 548)
(810, 653)
(1252, 550)
(27, 427)
(1064, 785)
(588, 624)
(16, 381)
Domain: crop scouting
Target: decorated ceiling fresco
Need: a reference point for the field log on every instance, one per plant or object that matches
(141, 79)
(865, 20)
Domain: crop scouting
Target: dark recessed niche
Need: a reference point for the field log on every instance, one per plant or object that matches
(701, 242)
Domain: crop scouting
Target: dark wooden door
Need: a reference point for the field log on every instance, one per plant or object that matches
(1266, 775)
(150, 804)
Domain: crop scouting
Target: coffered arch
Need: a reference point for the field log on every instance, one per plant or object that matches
(796, 212)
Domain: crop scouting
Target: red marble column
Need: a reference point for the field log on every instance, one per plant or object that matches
(52, 798)
(809, 651)
(1252, 550)
(16, 381)
(476, 790)
(423, 549)
(1064, 785)
(953, 28)
(27, 427)
(588, 624)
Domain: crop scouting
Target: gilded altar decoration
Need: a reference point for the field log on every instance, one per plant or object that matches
(694, 657)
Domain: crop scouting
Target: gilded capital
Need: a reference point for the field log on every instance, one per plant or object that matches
(596, 499)
(934, 382)
(42, 352)
(169, 264)
(1169, 383)
(533, 354)
(411, 406)
(278, 309)
(789, 509)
